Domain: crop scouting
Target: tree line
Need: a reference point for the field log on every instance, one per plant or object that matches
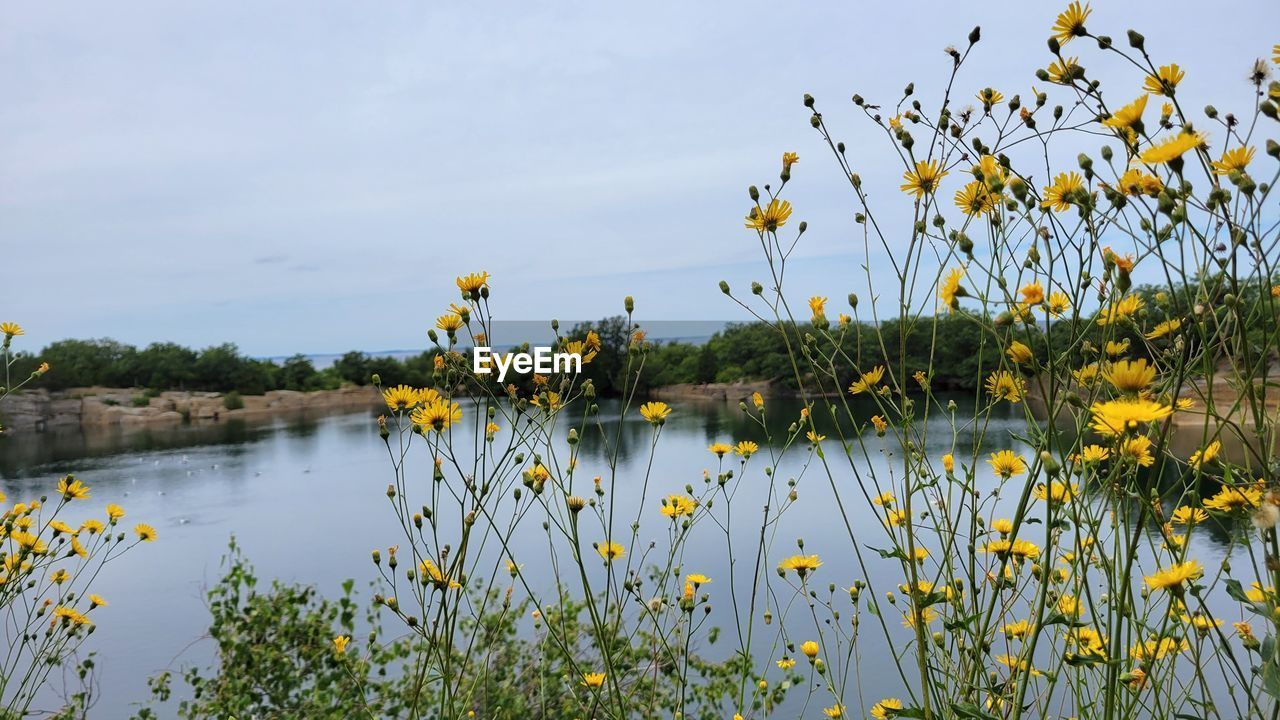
(950, 347)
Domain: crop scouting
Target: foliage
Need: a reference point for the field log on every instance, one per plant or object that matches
(51, 551)
(1046, 571)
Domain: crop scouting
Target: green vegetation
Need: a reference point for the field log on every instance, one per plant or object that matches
(945, 346)
(276, 657)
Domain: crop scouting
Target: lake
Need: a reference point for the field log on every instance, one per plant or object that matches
(305, 499)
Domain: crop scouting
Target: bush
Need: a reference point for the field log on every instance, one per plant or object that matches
(232, 401)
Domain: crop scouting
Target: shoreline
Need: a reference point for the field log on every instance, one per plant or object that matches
(41, 410)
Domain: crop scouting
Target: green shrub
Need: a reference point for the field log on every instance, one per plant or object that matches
(232, 401)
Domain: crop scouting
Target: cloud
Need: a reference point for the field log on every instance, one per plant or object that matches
(210, 172)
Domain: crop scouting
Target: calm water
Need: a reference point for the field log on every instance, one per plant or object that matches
(305, 499)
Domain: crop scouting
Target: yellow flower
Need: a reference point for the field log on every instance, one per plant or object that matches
(896, 518)
(810, 649)
(1229, 499)
(676, 506)
(697, 579)
(1058, 492)
(789, 159)
(69, 616)
(145, 532)
(1007, 463)
(817, 304)
(340, 644)
(1129, 116)
(1004, 526)
(91, 526)
(1087, 641)
(801, 564)
(1124, 262)
(1024, 549)
(593, 679)
(449, 322)
(114, 512)
(719, 449)
(916, 617)
(1070, 22)
(1004, 385)
(886, 708)
(548, 400)
(491, 429)
(1064, 70)
(1130, 376)
(1137, 449)
(772, 217)
(655, 412)
(1116, 416)
(72, 489)
(949, 463)
(1172, 148)
(758, 400)
(1115, 348)
(402, 397)
(1094, 453)
(951, 290)
(1019, 353)
(1157, 649)
(787, 663)
(1200, 458)
(1203, 623)
(1058, 303)
(989, 97)
(1018, 665)
(924, 179)
(472, 283)
(1186, 515)
(1058, 195)
(1164, 328)
(975, 198)
(835, 711)
(11, 329)
(988, 169)
(1233, 159)
(437, 415)
(814, 437)
(884, 498)
(1164, 81)
(60, 527)
(1069, 605)
(610, 550)
(1032, 293)
(868, 380)
(746, 448)
(880, 424)
(1175, 576)
(97, 601)
(1135, 182)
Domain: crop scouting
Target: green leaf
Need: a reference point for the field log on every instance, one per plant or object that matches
(887, 554)
(1271, 678)
(971, 712)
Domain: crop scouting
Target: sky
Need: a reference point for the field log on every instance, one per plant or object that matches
(301, 176)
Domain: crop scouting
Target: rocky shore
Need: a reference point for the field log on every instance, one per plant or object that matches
(718, 392)
(40, 410)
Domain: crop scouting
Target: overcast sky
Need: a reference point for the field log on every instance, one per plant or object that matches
(310, 176)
